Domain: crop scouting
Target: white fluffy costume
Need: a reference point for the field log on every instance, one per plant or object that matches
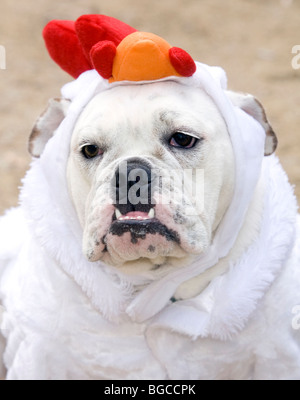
(63, 317)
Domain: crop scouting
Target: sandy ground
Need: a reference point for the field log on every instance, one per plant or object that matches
(251, 39)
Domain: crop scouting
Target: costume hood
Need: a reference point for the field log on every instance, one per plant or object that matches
(100, 53)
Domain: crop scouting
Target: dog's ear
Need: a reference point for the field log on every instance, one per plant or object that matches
(46, 125)
(253, 107)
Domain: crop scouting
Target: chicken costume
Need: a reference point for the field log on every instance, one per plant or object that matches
(63, 317)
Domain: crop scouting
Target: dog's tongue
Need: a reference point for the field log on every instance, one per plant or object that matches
(138, 215)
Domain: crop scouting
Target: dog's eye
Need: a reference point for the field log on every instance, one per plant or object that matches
(183, 141)
(91, 151)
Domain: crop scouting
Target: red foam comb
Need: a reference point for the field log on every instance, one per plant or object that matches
(92, 29)
(64, 47)
(69, 43)
(182, 62)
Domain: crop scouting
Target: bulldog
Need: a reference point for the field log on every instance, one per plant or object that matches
(157, 238)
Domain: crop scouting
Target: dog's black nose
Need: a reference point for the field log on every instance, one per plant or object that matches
(133, 187)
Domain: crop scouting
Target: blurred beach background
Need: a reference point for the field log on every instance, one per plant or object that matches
(251, 39)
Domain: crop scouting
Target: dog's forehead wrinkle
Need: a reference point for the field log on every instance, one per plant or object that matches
(168, 115)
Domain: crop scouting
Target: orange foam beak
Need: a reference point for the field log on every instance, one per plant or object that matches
(142, 57)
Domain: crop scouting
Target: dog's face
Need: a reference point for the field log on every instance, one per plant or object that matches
(151, 173)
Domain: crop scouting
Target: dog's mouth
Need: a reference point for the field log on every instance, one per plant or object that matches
(138, 234)
(140, 224)
(135, 215)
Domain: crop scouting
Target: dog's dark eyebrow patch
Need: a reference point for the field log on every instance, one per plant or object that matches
(168, 115)
(140, 230)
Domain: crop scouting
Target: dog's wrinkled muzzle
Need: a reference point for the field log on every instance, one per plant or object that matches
(135, 226)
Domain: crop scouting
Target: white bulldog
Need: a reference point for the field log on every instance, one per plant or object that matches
(108, 270)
